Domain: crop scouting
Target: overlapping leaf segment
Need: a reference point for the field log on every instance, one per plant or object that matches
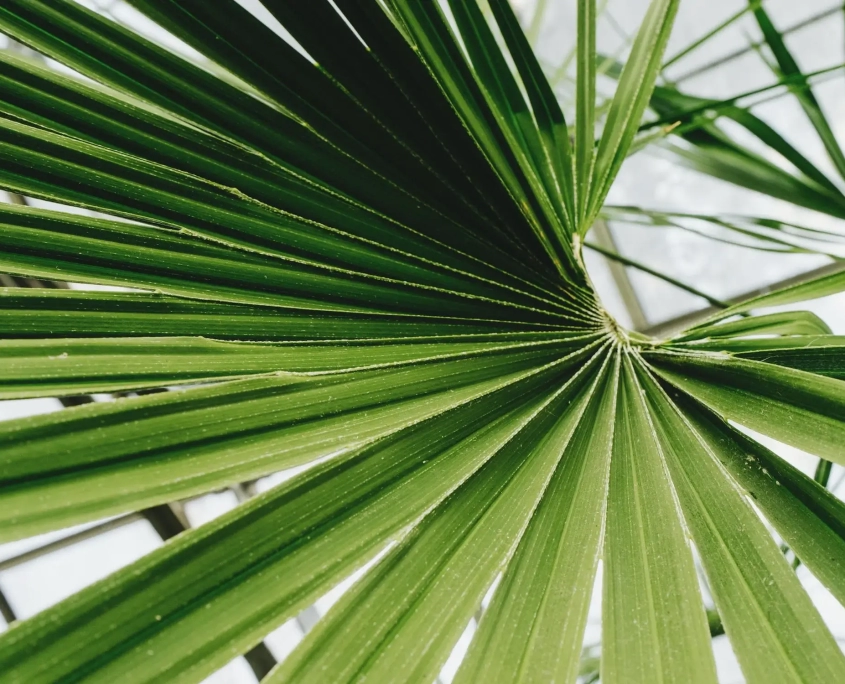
(375, 253)
(783, 170)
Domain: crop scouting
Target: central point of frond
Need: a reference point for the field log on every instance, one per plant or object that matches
(611, 326)
(622, 337)
(616, 331)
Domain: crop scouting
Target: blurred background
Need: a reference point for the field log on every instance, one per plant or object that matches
(36, 573)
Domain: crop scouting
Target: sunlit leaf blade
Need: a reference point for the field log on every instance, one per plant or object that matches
(385, 628)
(585, 120)
(824, 355)
(774, 629)
(809, 518)
(795, 407)
(237, 431)
(787, 323)
(73, 366)
(630, 101)
(653, 622)
(789, 67)
(534, 626)
(75, 313)
(348, 508)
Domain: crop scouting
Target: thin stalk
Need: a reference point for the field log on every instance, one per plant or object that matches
(730, 21)
(533, 32)
(745, 50)
(585, 119)
(657, 274)
(563, 68)
(688, 320)
(619, 273)
(790, 81)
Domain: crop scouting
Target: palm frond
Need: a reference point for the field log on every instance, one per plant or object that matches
(362, 255)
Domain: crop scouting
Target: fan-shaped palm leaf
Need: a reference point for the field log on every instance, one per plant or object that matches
(370, 260)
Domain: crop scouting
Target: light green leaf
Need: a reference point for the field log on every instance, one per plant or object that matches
(798, 408)
(585, 120)
(147, 452)
(823, 355)
(534, 627)
(74, 366)
(75, 313)
(351, 244)
(787, 323)
(653, 622)
(774, 629)
(808, 517)
(629, 102)
(226, 584)
(401, 621)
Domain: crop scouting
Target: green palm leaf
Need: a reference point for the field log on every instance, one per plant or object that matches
(363, 256)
